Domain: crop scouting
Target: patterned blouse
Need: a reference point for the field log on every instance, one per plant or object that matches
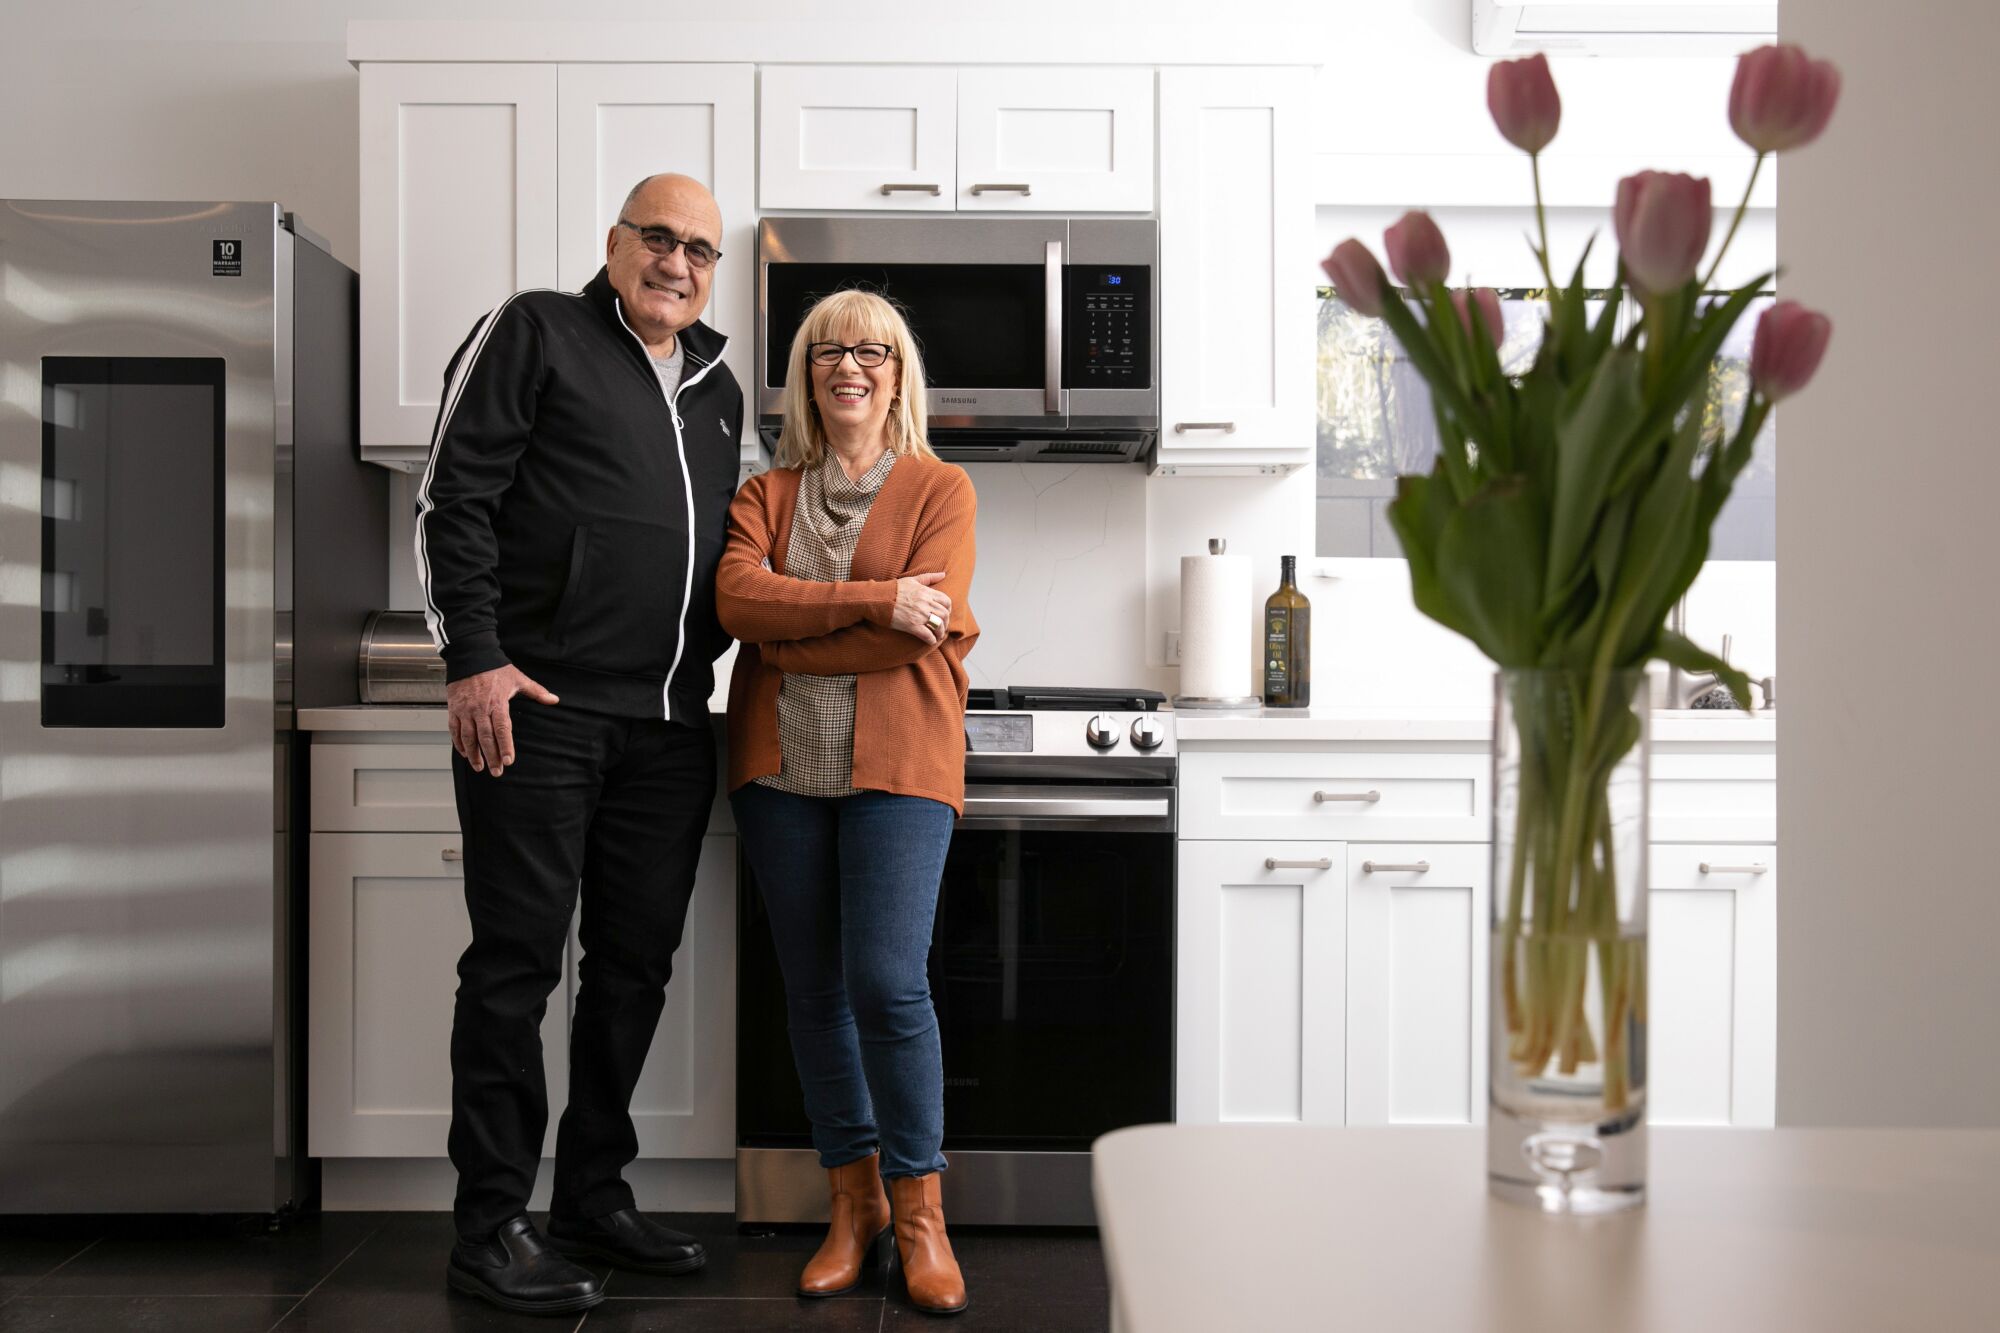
(816, 713)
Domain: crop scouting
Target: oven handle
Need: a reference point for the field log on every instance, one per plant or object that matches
(1052, 332)
(1065, 804)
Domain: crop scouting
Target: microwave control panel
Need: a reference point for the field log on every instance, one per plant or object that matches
(1108, 327)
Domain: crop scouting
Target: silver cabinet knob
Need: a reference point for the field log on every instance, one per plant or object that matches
(1101, 731)
(1147, 733)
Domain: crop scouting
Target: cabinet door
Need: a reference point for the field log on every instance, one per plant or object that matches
(1416, 983)
(1236, 287)
(388, 923)
(1073, 140)
(685, 1104)
(1712, 993)
(1259, 1021)
(623, 123)
(857, 136)
(458, 211)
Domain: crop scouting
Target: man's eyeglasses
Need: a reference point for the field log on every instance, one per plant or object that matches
(661, 242)
(866, 355)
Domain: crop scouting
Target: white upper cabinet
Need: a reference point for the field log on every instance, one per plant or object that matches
(622, 123)
(857, 137)
(1236, 292)
(458, 210)
(1055, 140)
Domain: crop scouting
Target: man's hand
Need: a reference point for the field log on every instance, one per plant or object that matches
(481, 727)
(916, 602)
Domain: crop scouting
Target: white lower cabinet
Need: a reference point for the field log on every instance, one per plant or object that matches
(1416, 983)
(1712, 1005)
(387, 926)
(1261, 1021)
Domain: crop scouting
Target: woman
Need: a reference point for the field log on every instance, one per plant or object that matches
(845, 578)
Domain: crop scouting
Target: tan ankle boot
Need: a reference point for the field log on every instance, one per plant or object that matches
(860, 1214)
(930, 1270)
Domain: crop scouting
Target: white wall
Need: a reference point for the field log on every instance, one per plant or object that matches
(1888, 989)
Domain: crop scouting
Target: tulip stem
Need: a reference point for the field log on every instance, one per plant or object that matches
(1541, 227)
(1730, 235)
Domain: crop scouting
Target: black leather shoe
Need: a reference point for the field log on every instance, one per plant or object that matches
(628, 1239)
(517, 1271)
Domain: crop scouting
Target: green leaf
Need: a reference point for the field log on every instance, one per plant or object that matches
(1590, 437)
(1419, 513)
(1675, 650)
(1490, 565)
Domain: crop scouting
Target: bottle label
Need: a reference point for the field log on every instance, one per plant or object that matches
(1277, 654)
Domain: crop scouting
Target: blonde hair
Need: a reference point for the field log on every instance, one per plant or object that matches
(870, 318)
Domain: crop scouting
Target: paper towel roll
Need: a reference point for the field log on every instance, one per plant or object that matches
(1216, 626)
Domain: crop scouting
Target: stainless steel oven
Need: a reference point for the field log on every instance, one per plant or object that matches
(1039, 335)
(1051, 966)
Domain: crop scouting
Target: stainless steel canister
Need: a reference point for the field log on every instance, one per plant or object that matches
(398, 663)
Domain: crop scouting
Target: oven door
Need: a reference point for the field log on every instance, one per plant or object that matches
(1051, 967)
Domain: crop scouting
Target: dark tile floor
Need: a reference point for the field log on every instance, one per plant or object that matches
(384, 1273)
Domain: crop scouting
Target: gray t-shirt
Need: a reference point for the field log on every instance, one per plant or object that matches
(669, 370)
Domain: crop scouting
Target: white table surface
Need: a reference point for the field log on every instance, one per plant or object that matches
(1218, 1228)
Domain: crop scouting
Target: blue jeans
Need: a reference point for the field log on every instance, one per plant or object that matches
(851, 883)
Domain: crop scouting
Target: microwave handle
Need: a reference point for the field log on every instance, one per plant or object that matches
(1052, 334)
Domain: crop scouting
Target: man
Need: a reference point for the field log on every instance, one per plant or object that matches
(569, 524)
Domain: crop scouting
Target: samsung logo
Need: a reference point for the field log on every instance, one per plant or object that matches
(956, 398)
(961, 1082)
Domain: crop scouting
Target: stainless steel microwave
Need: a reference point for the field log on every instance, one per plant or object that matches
(1040, 336)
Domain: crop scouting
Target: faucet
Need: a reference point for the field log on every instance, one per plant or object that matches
(1685, 689)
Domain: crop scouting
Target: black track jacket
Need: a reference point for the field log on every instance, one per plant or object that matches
(570, 518)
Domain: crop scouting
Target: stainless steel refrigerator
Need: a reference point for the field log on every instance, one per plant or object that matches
(189, 546)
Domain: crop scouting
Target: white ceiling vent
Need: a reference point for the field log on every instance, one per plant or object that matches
(1622, 27)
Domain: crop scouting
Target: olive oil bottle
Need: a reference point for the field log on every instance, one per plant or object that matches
(1288, 642)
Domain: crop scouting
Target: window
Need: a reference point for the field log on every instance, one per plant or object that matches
(1374, 422)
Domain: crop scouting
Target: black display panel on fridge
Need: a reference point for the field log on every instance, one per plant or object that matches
(132, 541)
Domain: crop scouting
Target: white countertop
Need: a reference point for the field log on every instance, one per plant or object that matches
(1467, 724)
(374, 717)
(1287, 1227)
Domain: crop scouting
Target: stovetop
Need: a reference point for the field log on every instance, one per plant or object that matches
(1063, 699)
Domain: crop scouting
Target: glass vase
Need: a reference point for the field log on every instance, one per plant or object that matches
(1566, 1115)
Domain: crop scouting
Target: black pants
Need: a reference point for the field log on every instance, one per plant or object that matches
(617, 806)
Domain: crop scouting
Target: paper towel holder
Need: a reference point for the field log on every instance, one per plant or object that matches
(1196, 703)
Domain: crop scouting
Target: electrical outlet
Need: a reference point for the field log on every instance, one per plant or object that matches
(1173, 647)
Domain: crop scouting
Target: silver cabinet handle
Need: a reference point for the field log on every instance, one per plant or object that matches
(1273, 863)
(451, 854)
(1183, 427)
(1023, 190)
(1413, 867)
(1368, 797)
(1052, 326)
(911, 189)
(1754, 868)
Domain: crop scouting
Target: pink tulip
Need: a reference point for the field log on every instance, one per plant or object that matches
(1521, 94)
(1417, 250)
(1662, 220)
(1786, 351)
(1356, 276)
(1488, 302)
(1781, 98)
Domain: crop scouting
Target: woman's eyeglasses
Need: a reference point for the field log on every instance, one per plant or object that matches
(866, 355)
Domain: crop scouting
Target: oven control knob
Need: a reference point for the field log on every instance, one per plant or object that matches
(1147, 733)
(1101, 731)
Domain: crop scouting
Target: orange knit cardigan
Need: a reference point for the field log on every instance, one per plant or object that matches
(909, 696)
